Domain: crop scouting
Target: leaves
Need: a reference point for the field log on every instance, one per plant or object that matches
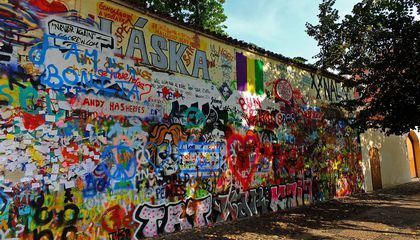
(208, 14)
(376, 49)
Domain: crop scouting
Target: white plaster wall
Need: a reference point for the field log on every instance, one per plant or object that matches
(395, 167)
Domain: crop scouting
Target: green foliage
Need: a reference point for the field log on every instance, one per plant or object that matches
(376, 49)
(208, 14)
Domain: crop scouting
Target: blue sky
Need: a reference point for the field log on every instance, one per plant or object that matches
(278, 25)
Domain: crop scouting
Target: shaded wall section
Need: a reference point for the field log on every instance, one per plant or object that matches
(119, 125)
(393, 158)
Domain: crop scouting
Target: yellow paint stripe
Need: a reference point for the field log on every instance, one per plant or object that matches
(250, 72)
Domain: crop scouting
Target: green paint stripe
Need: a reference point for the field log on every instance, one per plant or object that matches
(259, 77)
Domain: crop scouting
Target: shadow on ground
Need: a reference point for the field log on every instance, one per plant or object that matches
(390, 213)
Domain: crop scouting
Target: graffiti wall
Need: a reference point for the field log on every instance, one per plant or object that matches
(120, 125)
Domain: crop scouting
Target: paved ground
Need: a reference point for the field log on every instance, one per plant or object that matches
(386, 214)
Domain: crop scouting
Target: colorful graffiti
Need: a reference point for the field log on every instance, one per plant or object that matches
(115, 125)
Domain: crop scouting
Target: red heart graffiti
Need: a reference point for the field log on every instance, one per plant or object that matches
(32, 122)
(243, 157)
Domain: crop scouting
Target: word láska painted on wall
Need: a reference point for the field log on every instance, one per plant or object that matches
(167, 55)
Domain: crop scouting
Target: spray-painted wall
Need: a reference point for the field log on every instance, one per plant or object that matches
(118, 125)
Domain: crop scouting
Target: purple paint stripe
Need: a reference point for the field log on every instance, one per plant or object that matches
(241, 72)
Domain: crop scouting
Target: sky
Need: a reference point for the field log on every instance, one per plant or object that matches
(278, 25)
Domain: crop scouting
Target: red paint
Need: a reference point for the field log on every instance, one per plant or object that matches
(70, 157)
(49, 7)
(119, 55)
(95, 149)
(283, 90)
(264, 119)
(166, 91)
(93, 102)
(293, 154)
(115, 218)
(312, 115)
(144, 86)
(112, 219)
(137, 61)
(267, 150)
(250, 105)
(7, 15)
(177, 94)
(32, 122)
(283, 160)
(72, 100)
(300, 163)
(240, 165)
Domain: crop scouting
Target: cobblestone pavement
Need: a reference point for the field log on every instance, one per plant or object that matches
(386, 214)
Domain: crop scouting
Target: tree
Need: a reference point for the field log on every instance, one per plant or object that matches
(208, 14)
(376, 50)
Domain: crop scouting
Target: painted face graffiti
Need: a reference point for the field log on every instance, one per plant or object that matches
(164, 148)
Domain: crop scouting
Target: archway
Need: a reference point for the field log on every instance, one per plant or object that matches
(375, 168)
(413, 149)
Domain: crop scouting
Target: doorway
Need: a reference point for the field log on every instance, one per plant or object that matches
(375, 168)
(413, 150)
